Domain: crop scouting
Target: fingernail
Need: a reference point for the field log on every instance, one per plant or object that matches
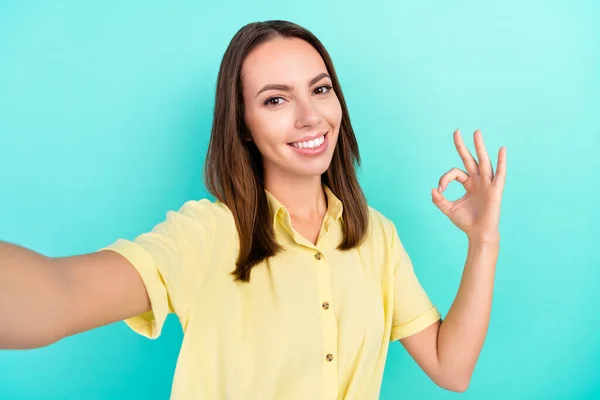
(440, 189)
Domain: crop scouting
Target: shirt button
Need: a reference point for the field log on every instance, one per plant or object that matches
(318, 256)
(329, 357)
(326, 306)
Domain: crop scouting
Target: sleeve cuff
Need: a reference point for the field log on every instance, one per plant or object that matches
(150, 323)
(416, 325)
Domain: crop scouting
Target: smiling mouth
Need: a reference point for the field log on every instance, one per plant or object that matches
(310, 144)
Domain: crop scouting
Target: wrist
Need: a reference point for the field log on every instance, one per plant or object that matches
(488, 238)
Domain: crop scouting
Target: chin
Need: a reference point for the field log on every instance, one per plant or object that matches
(311, 171)
(292, 167)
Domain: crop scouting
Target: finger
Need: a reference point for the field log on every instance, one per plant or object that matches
(485, 164)
(454, 174)
(465, 154)
(500, 177)
(441, 202)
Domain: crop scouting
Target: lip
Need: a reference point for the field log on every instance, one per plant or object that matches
(317, 151)
(311, 137)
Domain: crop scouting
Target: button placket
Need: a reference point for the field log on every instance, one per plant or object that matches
(328, 324)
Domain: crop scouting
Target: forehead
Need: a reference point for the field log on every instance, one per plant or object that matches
(289, 61)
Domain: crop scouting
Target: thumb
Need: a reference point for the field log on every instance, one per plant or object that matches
(440, 201)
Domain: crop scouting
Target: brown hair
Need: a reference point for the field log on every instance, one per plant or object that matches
(233, 166)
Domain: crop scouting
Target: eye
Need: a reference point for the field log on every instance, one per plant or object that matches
(274, 101)
(323, 89)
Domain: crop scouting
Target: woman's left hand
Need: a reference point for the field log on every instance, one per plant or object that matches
(477, 213)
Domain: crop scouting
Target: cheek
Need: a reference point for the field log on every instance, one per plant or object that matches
(333, 112)
(267, 127)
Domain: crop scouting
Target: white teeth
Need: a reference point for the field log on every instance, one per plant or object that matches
(311, 144)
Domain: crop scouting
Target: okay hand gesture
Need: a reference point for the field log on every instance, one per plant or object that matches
(477, 213)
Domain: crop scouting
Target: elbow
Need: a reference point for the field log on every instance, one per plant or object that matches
(455, 384)
(459, 387)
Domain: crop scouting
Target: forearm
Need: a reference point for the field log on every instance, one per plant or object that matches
(462, 333)
(29, 297)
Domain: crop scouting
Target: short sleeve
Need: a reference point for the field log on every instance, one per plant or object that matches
(413, 310)
(167, 258)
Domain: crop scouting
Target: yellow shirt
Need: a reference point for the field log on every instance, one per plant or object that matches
(313, 323)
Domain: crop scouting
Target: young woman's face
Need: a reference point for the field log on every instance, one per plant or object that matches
(291, 109)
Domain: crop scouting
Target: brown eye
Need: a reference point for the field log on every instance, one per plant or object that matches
(323, 89)
(274, 101)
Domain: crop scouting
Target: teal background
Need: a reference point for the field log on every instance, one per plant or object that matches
(105, 114)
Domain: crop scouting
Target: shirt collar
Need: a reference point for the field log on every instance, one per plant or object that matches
(334, 205)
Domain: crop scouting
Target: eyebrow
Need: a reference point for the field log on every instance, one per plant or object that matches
(275, 86)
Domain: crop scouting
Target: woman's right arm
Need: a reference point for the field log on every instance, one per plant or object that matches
(43, 299)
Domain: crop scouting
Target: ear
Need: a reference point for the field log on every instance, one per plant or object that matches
(247, 136)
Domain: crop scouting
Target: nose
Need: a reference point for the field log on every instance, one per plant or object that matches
(307, 114)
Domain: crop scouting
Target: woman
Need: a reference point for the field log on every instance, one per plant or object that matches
(288, 286)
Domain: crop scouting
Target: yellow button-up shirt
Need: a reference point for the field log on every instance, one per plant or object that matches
(313, 323)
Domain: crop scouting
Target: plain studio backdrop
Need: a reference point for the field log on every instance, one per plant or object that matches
(105, 116)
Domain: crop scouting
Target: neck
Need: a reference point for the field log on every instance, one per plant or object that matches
(303, 197)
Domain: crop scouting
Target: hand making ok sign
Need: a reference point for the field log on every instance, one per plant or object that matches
(477, 213)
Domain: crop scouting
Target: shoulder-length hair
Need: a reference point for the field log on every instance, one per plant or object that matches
(233, 167)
